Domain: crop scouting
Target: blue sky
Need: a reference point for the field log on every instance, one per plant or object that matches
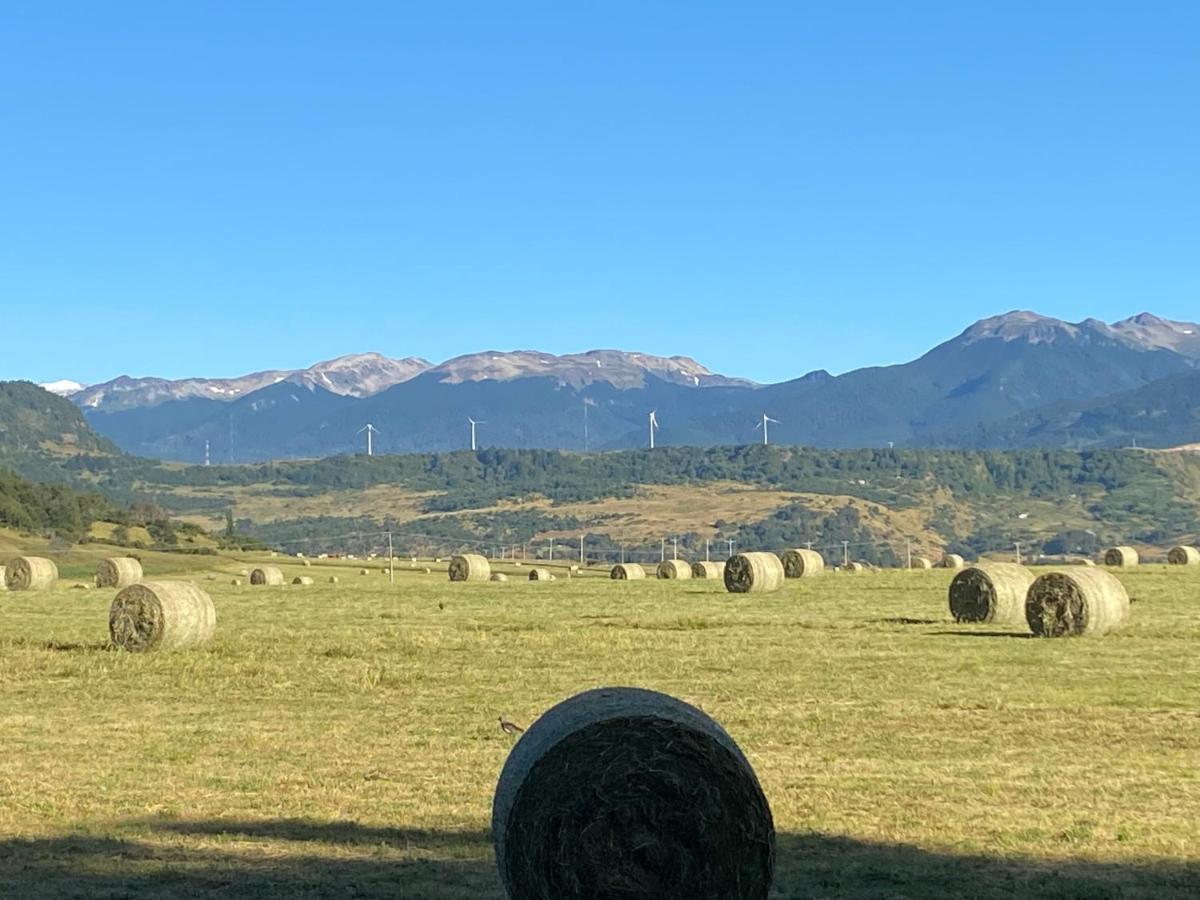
(209, 188)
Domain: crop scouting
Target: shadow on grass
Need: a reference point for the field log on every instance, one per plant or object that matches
(77, 646)
(986, 634)
(903, 621)
(437, 865)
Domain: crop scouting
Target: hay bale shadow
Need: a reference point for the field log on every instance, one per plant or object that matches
(901, 620)
(985, 634)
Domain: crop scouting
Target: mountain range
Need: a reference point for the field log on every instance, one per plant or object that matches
(1014, 380)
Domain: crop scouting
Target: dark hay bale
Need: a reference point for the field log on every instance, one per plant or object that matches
(710, 571)
(469, 567)
(267, 575)
(368, 571)
(674, 569)
(627, 572)
(802, 563)
(302, 580)
(1084, 601)
(628, 794)
(118, 572)
(1184, 556)
(1121, 556)
(746, 572)
(333, 579)
(953, 561)
(161, 615)
(990, 592)
(540, 574)
(30, 573)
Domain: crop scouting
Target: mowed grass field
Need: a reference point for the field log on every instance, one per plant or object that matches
(343, 740)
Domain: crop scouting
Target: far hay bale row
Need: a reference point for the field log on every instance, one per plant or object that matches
(754, 572)
(118, 572)
(990, 592)
(627, 572)
(540, 574)
(1121, 556)
(333, 579)
(953, 561)
(674, 568)
(920, 562)
(709, 571)
(30, 573)
(161, 615)
(1081, 602)
(802, 563)
(1184, 556)
(302, 580)
(267, 576)
(469, 567)
(631, 793)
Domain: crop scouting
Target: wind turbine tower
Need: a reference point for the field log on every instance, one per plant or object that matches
(473, 424)
(653, 427)
(371, 431)
(763, 426)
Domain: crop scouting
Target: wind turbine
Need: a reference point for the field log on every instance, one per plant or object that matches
(370, 430)
(653, 427)
(473, 424)
(763, 426)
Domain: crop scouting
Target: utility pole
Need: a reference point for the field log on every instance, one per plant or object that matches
(207, 455)
(622, 554)
(1018, 553)
(675, 548)
(662, 551)
(845, 554)
(706, 542)
(581, 549)
(730, 542)
(808, 544)
(908, 552)
(391, 565)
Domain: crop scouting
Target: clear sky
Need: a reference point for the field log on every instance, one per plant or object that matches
(208, 188)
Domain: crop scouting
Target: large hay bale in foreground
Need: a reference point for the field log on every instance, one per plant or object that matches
(802, 563)
(627, 572)
(920, 562)
(469, 567)
(161, 615)
(631, 794)
(1184, 556)
(118, 572)
(30, 573)
(1084, 601)
(540, 574)
(990, 592)
(746, 572)
(953, 561)
(1121, 556)
(711, 571)
(674, 568)
(267, 575)
(302, 580)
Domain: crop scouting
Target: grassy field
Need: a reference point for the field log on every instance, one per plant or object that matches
(342, 740)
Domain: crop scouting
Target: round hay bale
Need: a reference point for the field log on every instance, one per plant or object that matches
(1085, 601)
(78, 586)
(365, 572)
(540, 574)
(920, 562)
(802, 563)
(710, 571)
(621, 792)
(245, 573)
(497, 576)
(306, 562)
(674, 568)
(855, 567)
(574, 567)
(3, 584)
(427, 571)
(267, 575)
(1121, 556)
(953, 561)
(237, 582)
(627, 572)
(990, 592)
(469, 567)
(333, 579)
(30, 573)
(303, 580)
(746, 572)
(1184, 556)
(161, 615)
(118, 572)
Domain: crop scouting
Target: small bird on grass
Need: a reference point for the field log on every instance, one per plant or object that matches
(509, 728)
